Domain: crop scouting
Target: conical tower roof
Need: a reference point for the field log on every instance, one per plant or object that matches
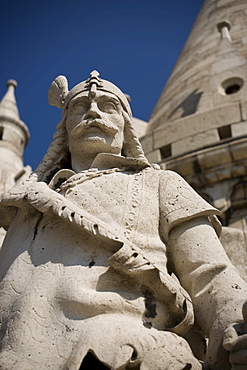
(200, 104)
(219, 36)
(9, 111)
(8, 106)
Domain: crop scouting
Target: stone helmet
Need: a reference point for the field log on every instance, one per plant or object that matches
(60, 96)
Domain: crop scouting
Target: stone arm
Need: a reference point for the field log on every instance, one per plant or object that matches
(215, 287)
(39, 196)
(35, 194)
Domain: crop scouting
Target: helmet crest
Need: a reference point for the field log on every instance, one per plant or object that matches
(60, 96)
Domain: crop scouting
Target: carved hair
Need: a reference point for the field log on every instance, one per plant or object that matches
(58, 156)
(131, 145)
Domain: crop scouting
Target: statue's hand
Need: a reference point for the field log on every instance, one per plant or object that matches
(37, 194)
(41, 197)
(14, 196)
(11, 200)
(235, 341)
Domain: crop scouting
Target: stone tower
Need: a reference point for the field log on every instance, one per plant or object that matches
(198, 127)
(14, 136)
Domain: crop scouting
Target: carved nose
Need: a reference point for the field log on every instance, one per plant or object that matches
(93, 112)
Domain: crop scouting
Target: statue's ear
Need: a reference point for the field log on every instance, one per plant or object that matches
(58, 91)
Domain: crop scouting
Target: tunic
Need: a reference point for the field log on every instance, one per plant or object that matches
(60, 295)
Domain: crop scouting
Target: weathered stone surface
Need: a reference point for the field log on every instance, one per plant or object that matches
(190, 81)
(147, 143)
(233, 240)
(92, 235)
(239, 129)
(140, 126)
(207, 159)
(244, 110)
(154, 156)
(195, 141)
(239, 150)
(197, 123)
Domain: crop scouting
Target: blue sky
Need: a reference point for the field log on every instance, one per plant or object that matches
(133, 43)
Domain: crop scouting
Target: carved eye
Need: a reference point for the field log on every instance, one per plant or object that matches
(108, 106)
(79, 107)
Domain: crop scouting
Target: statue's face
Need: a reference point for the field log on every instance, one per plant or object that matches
(95, 123)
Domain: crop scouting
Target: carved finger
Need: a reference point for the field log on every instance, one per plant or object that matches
(230, 337)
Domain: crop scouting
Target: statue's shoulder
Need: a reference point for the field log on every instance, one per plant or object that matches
(167, 176)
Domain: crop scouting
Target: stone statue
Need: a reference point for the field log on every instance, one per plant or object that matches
(110, 262)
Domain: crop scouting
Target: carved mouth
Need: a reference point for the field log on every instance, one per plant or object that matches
(93, 126)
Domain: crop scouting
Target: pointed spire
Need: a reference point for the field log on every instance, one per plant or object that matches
(9, 112)
(14, 135)
(8, 106)
(207, 53)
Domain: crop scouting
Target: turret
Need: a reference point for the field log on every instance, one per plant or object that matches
(14, 136)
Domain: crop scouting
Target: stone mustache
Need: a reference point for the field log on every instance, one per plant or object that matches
(110, 262)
